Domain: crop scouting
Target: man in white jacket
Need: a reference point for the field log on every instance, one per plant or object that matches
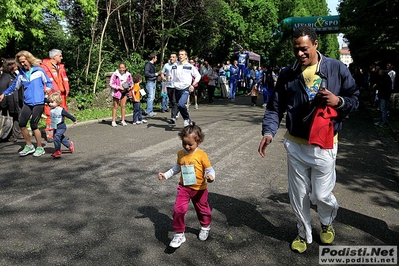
(184, 84)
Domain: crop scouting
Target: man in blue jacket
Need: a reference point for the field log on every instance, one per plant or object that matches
(312, 81)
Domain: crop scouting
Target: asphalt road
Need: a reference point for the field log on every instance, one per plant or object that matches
(103, 204)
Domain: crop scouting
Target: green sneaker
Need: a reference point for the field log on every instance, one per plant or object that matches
(27, 150)
(39, 152)
(327, 234)
(299, 244)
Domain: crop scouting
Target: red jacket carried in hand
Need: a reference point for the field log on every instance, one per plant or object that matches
(322, 128)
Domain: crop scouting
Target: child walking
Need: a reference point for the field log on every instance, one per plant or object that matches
(254, 94)
(196, 173)
(137, 117)
(57, 114)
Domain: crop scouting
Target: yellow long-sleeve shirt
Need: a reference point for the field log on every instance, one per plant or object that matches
(202, 166)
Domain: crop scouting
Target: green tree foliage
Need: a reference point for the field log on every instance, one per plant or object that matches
(371, 27)
(22, 18)
(98, 34)
(328, 43)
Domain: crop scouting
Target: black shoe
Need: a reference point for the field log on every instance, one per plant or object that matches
(172, 121)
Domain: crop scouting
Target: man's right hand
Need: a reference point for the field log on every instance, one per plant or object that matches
(266, 140)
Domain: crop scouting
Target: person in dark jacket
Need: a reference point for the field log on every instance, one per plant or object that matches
(151, 75)
(383, 90)
(12, 104)
(311, 169)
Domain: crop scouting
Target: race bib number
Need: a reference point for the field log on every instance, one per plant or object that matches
(188, 174)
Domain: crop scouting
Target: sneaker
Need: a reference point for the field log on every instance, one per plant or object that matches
(137, 123)
(143, 121)
(113, 124)
(187, 122)
(71, 147)
(196, 106)
(151, 114)
(56, 154)
(299, 244)
(177, 240)
(27, 150)
(327, 234)
(123, 123)
(178, 115)
(39, 152)
(204, 233)
(172, 121)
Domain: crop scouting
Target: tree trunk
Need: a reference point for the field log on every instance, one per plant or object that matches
(100, 60)
(123, 34)
(93, 37)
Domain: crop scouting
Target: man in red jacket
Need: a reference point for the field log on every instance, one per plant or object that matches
(56, 72)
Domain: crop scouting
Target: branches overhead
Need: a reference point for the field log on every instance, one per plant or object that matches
(371, 28)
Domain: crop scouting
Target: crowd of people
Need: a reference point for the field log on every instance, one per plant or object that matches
(26, 83)
(185, 82)
(378, 83)
(315, 94)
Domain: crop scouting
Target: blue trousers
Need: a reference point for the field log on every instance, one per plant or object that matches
(136, 112)
(165, 102)
(384, 112)
(59, 138)
(150, 88)
(233, 88)
(181, 99)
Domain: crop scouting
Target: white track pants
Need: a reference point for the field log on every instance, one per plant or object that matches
(311, 178)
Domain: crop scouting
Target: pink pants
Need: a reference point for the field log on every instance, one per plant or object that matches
(201, 205)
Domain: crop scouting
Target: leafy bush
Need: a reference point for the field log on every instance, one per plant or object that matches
(84, 101)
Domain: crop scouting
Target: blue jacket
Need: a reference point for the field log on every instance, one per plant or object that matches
(247, 72)
(234, 70)
(290, 96)
(33, 84)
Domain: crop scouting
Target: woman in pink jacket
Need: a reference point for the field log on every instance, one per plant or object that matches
(121, 83)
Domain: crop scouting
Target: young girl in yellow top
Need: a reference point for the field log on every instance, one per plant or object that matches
(196, 173)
